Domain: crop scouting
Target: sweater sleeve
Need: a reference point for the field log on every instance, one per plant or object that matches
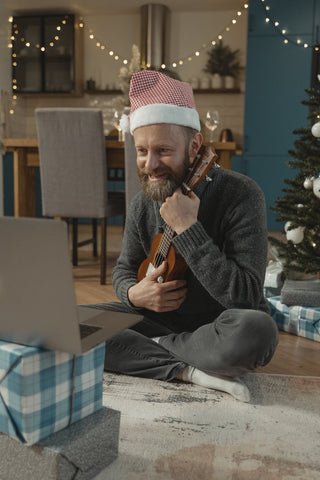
(134, 249)
(230, 265)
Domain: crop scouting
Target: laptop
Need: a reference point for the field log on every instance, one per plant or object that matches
(37, 298)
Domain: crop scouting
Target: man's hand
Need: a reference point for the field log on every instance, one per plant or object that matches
(180, 211)
(159, 297)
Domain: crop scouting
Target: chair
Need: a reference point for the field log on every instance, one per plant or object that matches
(73, 173)
(132, 181)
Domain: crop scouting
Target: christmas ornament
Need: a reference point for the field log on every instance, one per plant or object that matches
(316, 187)
(295, 235)
(315, 130)
(308, 183)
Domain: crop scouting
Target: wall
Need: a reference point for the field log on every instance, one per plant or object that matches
(119, 32)
(5, 83)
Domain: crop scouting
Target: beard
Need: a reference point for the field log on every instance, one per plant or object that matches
(162, 189)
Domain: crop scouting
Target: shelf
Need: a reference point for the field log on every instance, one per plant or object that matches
(196, 91)
(216, 90)
(104, 92)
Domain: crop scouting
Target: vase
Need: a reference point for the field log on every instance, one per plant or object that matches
(216, 81)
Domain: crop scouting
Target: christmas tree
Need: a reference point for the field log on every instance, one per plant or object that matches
(299, 208)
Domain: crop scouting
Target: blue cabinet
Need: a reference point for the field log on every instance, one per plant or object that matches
(276, 79)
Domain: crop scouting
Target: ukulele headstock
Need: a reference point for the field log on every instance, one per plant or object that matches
(200, 167)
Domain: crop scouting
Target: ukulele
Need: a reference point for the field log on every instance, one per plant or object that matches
(162, 248)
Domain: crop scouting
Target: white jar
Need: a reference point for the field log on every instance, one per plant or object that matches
(228, 81)
(216, 81)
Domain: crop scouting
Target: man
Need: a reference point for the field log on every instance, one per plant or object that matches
(211, 326)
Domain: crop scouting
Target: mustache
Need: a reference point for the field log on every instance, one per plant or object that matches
(158, 171)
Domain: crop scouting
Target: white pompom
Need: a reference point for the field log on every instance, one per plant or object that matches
(124, 123)
(316, 187)
(315, 130)
(295, 235)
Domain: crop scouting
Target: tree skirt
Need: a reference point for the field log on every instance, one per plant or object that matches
(181, 431)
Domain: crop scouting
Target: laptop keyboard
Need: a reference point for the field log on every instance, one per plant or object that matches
(86, 330)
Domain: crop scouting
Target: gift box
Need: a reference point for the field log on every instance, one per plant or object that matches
(44, 391)
(302, 321)
(301, 292)
(78, 452)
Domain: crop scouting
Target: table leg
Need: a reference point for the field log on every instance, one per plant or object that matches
(24, 185)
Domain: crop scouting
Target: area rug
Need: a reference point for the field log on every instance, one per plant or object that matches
(178, 431)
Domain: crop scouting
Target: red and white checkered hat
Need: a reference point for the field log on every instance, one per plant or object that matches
(157, 98)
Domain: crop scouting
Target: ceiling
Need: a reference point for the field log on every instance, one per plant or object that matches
(94, 7)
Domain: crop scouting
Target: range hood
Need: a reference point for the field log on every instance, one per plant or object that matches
(155, 28)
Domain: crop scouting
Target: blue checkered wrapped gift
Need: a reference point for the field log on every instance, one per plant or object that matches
(302, 321)
(43, 391)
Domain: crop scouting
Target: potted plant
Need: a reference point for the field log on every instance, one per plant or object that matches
(223, 62)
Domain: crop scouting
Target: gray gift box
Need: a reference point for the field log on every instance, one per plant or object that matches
(78, 452)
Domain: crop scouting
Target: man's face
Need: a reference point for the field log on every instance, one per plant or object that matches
(162, 158)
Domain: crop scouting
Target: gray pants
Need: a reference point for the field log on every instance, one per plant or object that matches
(237, 341)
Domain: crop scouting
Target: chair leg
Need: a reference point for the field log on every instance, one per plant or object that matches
(75, 241)
(94, 237)
(103, 256)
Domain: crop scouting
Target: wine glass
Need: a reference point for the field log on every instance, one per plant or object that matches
(116, 122)
(212, 121)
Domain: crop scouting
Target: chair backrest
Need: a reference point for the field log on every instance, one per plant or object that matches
(73, 170)
(131, 176)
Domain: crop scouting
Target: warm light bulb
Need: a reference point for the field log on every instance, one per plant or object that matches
(180, 62)
(197, 53)
(112, 53)
(239, 13)
(28, 44)
(284, 31)
(11, 111)
(220, 37)
(286, 40)
(51, 44)
(58, 28)
(43, 49)
(234, 21)
(91, 36)
(276, 24)
(306, 45)
(174, 64)
(163, 66)
(10, 19)
(125, 61)
(267, 20)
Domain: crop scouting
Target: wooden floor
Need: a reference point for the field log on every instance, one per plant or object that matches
(294, 355)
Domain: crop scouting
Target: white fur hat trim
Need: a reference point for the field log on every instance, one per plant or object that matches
(164, 113)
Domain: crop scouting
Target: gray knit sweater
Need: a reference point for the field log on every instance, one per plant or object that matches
(225, 250)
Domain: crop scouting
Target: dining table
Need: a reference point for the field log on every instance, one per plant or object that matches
(26, 160)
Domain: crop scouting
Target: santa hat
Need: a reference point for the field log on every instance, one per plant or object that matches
(157, 98)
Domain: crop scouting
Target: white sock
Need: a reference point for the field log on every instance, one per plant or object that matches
(225, 384)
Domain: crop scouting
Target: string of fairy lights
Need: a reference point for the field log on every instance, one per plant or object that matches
(283, 30)
(177, 62)
(18, 38)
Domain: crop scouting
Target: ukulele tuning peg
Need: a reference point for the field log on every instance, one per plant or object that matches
(208, 179)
